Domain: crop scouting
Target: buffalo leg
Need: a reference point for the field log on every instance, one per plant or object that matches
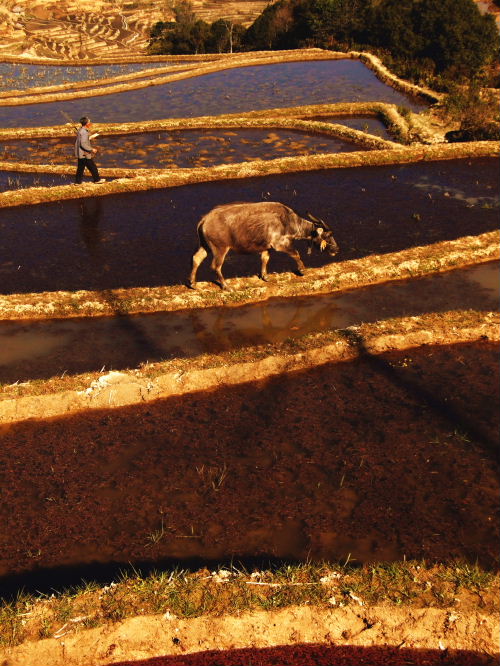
(295, 255)
(263, 269)
(198, 257)
(218, 260)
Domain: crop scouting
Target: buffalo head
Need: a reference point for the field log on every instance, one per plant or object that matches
(322, 236)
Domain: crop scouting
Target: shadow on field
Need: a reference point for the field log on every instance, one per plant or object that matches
(340, 460)
(321, 655)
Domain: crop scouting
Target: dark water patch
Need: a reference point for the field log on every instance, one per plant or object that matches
(183, 148)
(43, 349)
(230, 91)
(333, 462)
(22, 76)
(367, 124)
(16, 180)
(147, 238)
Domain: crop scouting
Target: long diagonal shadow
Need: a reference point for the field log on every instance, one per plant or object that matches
(91, 234)
(459, 420)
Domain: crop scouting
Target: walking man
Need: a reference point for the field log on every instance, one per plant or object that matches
(84, 153)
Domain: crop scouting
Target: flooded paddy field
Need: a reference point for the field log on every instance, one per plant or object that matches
(367, 124)
(370, 459)
(21, 76)
(16, 180)
(230, 91)
(181, 148)
(43, 349)
(147, 238)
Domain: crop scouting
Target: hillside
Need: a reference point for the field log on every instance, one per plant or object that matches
(105, 28)
(100, 28)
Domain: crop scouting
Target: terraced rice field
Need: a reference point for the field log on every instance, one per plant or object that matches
(350, 413)
(231, 91)
(20, 76)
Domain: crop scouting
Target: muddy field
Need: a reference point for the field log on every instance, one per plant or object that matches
(374, 459)
(147, 238)
(187, 148)
(376, 456)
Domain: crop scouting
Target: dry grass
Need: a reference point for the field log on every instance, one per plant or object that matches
(233, 590)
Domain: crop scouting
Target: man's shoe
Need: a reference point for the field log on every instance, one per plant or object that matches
(101, 180)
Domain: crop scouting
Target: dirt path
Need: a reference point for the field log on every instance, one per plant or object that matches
(293, 637)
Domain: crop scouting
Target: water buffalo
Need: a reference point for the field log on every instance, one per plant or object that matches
(256, 227)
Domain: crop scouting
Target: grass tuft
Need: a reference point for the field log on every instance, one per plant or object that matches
(232, 590)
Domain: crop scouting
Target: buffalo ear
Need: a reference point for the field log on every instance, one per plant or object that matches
(319, 231)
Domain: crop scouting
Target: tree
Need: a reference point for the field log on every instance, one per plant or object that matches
(185, 35)
(452, 34)
(225, 36)
(269, 29)
(462, 40)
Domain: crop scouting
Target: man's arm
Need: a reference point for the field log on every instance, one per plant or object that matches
(85, 142)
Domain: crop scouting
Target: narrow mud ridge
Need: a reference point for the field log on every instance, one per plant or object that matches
(296, 637)
(38, 350)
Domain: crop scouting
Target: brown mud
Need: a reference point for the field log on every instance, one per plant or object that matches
(292, 467)
(301, 636)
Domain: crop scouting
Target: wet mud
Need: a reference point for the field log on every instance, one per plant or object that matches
(43, 349)
(230, 91)
(147, 238)
(373, 460)
(186, 148)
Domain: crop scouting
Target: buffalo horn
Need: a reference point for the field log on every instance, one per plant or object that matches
(317, 221)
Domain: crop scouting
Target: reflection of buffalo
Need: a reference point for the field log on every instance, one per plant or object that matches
(256, 227)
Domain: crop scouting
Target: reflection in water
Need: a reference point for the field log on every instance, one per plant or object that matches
(90, 217)
(231, 91)
(181, 148)
(16, 180)
(148, 238)
(459, 193)
(22, 76)
(46, 348)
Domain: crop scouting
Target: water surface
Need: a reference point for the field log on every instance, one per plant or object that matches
(230, 91)
(17, 180)
(22, 76)
(42, 349)
(147, 238)
(182, 148)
